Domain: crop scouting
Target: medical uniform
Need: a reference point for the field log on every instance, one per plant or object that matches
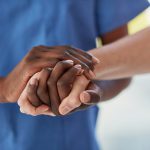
(26, 23)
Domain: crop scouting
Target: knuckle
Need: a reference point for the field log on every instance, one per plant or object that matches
(40, 92)
(61, 63)
(30, 91)
(74, 70)
(31, 59)
(60, 83)
(50, 83)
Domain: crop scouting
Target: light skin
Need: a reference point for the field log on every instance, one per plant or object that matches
(83, 95)
(124, 58)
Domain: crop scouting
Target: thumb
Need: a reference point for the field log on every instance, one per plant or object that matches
(90, 97)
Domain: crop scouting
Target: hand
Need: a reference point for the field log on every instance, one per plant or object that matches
(42, 57)
(55, 86)
(35, 96)
(82, 95)
(29, 95)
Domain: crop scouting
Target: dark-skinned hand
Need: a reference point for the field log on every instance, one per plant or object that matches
(42, 57)
(57, 84)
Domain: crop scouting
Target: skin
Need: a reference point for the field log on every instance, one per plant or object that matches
(41, 57)
(84, 93)
(30, 98)
(108, 89)
(125, 58)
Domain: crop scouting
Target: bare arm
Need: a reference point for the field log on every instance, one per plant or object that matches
(111, 88)
(38, 58)
(126, 57)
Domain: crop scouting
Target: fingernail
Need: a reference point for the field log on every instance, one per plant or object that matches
(78, 66)
(92, 74)
(97, 61)
(85, 97)
(65, 110)
(69, 61)
(50, 69)
(80, 72)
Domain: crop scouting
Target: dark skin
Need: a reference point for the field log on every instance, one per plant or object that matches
(41, 57)
(104, 90)
(113, 87)
(63, 76)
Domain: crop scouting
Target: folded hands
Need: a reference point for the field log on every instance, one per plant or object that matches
(58, 80)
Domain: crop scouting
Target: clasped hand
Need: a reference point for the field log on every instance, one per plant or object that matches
(65, 87)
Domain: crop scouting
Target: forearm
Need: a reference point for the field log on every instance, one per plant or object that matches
(112, 88)
(124, 58)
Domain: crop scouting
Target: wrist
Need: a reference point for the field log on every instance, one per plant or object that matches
(105, 55)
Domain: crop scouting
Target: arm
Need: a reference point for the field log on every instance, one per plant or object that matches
(111, 88)
(84, 95)
(74, 97)
(38, 58)
(126, 57)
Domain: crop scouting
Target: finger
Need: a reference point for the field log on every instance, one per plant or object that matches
(32, 93)
(64, 84)
(85, 60)
(22, 111)
(29, 109)
(73, 100)
(42, 110)
(95, 60)
(92, 95)
(87, 55)
(38, 64)
(57, 72)
(49, 113)
(81, 107)
(87, 72)
(42, 91)
(77, 50)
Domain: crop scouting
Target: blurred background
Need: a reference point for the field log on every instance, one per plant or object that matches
(124, 122)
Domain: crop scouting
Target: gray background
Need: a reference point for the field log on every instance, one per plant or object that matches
(124, 122)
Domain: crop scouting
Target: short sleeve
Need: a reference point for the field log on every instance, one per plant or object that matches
(111, 14)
